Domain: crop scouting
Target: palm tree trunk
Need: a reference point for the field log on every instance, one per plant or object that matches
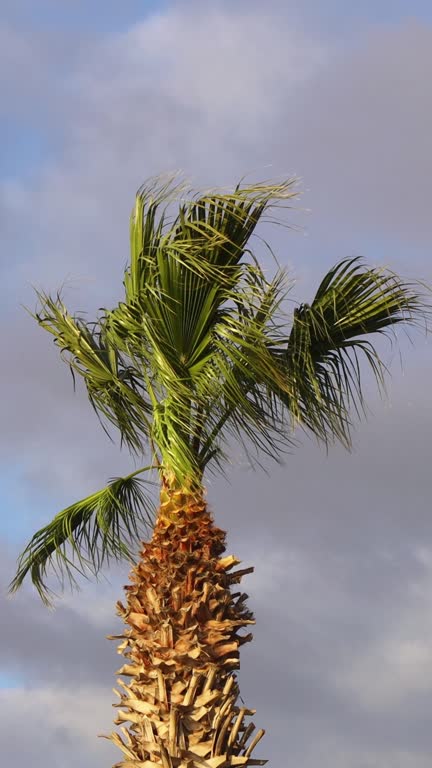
(182, 647)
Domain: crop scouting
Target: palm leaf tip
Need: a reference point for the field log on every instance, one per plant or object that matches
(85, 536)
(322, 356)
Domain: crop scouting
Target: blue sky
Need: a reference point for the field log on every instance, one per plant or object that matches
(93, 99)
(79, 17)
(112, 17)
(25, 149)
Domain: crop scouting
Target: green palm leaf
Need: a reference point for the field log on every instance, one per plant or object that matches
(113, 385)
(88, 534)
(322, 355)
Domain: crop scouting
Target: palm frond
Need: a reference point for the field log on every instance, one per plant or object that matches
(322, 358)
(88, 534)
(113, 385)
(238, 380)
(185, 285)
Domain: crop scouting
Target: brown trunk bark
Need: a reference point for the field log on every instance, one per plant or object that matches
(182, 647)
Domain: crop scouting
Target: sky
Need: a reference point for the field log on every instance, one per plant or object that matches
(94, 99)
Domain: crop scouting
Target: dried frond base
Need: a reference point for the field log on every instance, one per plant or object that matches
(182, 649)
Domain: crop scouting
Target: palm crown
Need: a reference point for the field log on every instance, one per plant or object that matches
(200, 352)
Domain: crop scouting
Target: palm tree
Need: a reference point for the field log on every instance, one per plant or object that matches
(199, 354)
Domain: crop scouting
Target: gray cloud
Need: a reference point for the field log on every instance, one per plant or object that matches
(60, 724)
(364, 136)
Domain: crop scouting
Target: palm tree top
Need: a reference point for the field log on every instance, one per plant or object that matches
(201, 352)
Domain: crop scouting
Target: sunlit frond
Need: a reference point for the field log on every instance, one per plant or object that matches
(88, 534)
(114, 387)
(326, 343)
(186, 285)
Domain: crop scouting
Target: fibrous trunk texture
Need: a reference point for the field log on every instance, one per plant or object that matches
(182, 647)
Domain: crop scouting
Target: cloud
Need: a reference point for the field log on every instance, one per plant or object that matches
(143, 103)
(362, 136)
(395, 670)
(57, 647)
(59, 723)
(352, 122)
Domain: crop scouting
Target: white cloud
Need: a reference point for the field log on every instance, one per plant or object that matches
(58, 725)
(330, 755)
(199, 91)
(390, 673)
(397, 665)
(363, 138)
